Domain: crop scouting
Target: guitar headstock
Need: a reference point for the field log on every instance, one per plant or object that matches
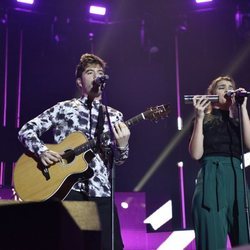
(158, 112)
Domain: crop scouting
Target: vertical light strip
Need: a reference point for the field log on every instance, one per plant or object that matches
(13, 167)
(1, 173)
(183, 209)
(19, 80)
(5, 78)
(179, 119)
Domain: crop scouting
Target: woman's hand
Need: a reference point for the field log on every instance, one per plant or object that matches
(244, 99)
(200, 104)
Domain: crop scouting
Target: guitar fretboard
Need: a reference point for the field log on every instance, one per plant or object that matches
(106, 136)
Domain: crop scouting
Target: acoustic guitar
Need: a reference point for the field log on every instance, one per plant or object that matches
(35, 182)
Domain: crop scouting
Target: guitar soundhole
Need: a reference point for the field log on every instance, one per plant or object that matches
(68, 156)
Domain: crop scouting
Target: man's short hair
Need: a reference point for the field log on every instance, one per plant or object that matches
(88, 59)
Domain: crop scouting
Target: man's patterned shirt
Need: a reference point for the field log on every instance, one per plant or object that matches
(72, 116)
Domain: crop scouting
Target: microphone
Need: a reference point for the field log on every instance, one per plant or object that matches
(238, 93)
(101, 80)
(188, 99)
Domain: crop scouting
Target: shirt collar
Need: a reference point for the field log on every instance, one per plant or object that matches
(86, 103)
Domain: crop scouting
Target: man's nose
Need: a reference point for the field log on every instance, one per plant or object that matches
(94, 76)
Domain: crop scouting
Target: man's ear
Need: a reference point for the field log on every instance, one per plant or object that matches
(79, 82)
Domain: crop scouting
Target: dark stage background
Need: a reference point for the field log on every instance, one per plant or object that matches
(137, 39)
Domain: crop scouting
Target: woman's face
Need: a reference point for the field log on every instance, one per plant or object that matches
(221, 89)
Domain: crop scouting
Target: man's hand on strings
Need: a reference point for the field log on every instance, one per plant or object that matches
(122, 134)
(50, 157)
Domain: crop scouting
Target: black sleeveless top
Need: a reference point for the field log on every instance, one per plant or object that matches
(221, 135)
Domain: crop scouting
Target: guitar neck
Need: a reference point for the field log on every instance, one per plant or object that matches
(134, 120)
(106, 136)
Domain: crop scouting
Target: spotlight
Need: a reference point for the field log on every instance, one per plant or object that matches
(204, 5)
(180, 164)
(98, 13)
(97, 10)
(203, 1)
(26, 1)
(124, 205)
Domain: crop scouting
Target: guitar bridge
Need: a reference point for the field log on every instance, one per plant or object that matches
(46, 173)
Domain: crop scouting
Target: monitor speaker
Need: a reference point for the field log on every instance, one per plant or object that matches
(50, 225)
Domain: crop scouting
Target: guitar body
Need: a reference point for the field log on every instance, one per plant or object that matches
(33, 183)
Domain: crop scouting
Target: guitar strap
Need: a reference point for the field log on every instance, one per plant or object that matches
(104, 152)
(97, 135)
(99, 127)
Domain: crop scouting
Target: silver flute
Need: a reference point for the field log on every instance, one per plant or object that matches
(188, 99)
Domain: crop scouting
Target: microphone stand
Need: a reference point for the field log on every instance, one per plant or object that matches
(239, 101)
(112, 168)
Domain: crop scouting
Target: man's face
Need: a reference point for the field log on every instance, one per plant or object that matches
(87, 85)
